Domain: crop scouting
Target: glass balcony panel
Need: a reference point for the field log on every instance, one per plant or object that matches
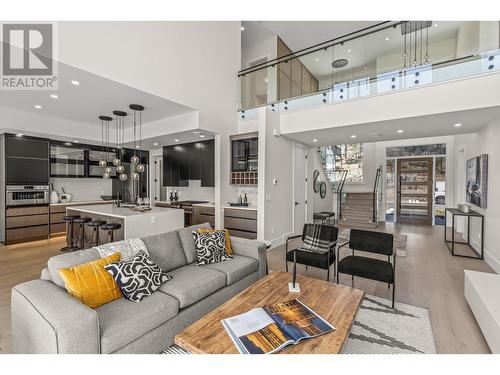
(396, 57)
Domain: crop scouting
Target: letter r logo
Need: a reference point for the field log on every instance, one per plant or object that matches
(27, 49)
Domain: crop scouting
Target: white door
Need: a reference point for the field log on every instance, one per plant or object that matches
(299, 188)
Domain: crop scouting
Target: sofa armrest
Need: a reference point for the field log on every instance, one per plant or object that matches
(252, 249)
(46, 319)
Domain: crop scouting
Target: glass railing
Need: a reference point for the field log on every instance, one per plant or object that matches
(386, 58)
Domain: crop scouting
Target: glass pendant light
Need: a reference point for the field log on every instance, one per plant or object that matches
(120, 127)
(102, 162)
(136, 108)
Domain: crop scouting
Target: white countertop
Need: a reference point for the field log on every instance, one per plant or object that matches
(251, 208)
(81, 203)
(120, 212)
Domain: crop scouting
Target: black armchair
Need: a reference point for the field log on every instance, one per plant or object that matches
(325, 237)
(369, 268)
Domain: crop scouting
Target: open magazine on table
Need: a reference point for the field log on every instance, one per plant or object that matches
(270, 328)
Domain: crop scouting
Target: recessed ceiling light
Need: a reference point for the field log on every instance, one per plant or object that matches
(155, 143)
(458, 125)
(176, 140)
(436, 25)
(19, 135)
(315, 140)
(202, 135)
(353, 136)
(196, 132)
(38, 106)
(75, 141)
(400, 131)
(349, 51)
(137, 147)
(76, 83)
(68, 143)
(386, 38)
(53, 96)
(242, 28)
(316, 59)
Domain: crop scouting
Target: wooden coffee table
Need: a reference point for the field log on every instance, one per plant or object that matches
(335, 303)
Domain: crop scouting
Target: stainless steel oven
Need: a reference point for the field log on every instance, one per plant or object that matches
(26, 195)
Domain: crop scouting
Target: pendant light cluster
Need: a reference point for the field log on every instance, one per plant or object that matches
(117, 162)
(415, 43)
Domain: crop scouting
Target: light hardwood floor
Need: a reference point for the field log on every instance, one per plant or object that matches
(428, 277)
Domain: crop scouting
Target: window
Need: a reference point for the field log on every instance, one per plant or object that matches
(423, 150)
(345, 157)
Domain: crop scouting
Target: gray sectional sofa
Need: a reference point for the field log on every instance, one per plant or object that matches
(46, 319)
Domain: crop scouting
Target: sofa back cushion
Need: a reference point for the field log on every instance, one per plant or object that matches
(69, 260)
(165, 249)
(187, 240)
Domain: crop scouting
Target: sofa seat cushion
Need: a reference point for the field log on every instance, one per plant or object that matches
(123, 321)
(192, 283)
(235, 268)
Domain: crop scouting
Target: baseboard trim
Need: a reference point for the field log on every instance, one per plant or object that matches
(279, 240)
(492, 262)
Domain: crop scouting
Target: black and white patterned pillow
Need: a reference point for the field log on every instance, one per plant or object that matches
(210, 247)
(138, 277)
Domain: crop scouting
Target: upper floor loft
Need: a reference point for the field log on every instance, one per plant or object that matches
(384, 58)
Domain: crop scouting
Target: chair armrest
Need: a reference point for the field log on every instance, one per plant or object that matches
(252, 249)
(46, 319)
(291, 238)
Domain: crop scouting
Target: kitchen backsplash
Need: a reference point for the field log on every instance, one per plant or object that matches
(83, 189)
(251, 194)
(192, 192)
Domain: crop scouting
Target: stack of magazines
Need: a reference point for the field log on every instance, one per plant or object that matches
(270, 328)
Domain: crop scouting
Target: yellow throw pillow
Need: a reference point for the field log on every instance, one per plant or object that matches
(90, 283)
(229, 249)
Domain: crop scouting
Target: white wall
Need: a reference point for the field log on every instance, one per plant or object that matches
(487, 141)
(275, 202)
(191, 63)
(83, 189)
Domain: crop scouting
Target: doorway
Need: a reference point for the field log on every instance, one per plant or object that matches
(414, 190)
(299, 188)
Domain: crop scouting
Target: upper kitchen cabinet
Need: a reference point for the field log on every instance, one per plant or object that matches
(67, 161)
(244, 159)
(26, 160)
(93, 157)
(189, 161)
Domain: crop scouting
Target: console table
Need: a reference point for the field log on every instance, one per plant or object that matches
(450, 244)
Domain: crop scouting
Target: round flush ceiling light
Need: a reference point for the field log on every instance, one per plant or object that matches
(202, 135)
(76, 83)
(400, 131)
(353, 136)
(155, 143)
(176, 140)
(458, 125)
(315, 140)
(38, 106)
(340, 63)
(53, 96)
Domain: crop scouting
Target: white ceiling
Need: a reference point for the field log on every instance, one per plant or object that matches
(413, 127)
(79, 106)
(170, 139)
(302, 34)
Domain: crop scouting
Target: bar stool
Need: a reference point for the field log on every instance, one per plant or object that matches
(70, 245)
(80, 238)
(94, 236)
(110, 228)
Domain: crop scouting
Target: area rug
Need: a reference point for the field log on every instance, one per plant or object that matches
(399, 241)
(380, 329)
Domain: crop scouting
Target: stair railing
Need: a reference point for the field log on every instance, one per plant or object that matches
(340, 193)
(376, 185)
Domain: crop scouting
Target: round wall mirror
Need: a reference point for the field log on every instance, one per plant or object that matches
(316, 181)
(322, 190)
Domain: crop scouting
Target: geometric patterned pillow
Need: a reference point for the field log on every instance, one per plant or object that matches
(138, 277)
(210, 247)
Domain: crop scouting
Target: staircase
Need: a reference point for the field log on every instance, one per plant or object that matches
(357, 210)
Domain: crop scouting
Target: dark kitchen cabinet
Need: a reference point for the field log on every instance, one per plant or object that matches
(208, 163)
(244, 155)
(26, 160)
(190, 161)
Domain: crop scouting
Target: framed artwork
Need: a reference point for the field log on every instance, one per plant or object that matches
(476, 189)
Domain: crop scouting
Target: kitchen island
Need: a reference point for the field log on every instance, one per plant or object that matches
(135, 224)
